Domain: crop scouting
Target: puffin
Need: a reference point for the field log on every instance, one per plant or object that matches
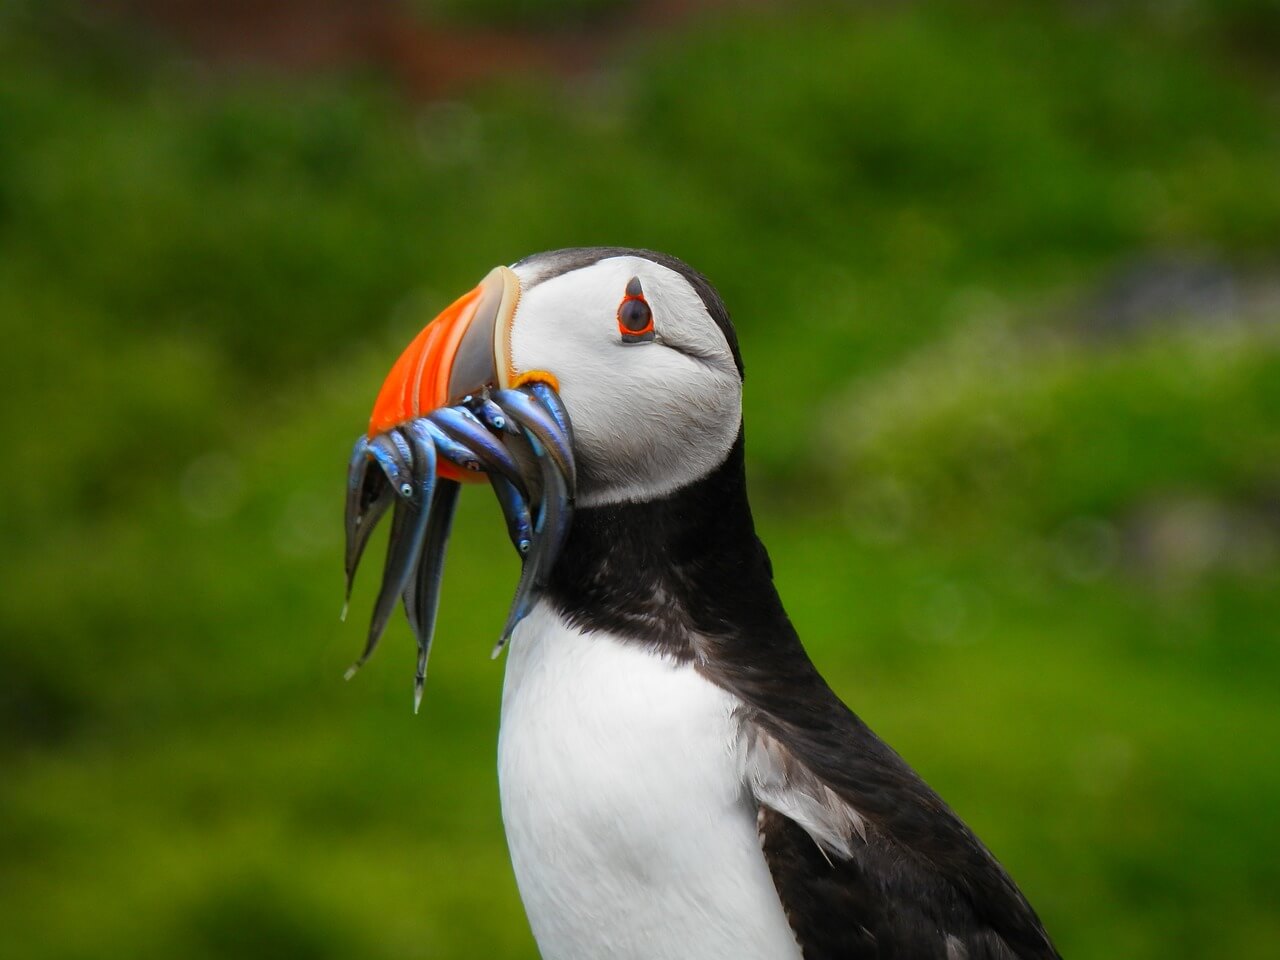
(677, 780)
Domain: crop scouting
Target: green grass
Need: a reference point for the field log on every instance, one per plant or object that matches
(1042, 563)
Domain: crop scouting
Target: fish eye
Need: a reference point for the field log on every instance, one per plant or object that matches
(635, 318)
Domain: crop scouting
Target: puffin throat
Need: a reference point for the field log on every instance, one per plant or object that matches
(669, 570)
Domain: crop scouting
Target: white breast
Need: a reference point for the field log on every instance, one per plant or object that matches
(631, 831)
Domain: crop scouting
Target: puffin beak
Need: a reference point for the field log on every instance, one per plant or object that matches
(462, 352)
(453, 409)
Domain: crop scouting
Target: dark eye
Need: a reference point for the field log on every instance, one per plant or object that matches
(635, 316)
(635, 319)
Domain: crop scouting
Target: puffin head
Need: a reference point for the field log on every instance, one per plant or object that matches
(637, 344)
(577, 378)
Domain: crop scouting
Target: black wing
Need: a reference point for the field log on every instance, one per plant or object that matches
(877, 904)
(903, 877)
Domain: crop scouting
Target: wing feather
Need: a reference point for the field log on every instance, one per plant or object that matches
(852, 888)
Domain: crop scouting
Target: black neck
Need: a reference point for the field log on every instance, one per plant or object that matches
(659, 572)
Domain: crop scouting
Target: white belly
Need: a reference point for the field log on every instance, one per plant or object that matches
(631, 833)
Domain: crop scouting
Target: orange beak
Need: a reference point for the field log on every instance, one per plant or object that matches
(464, 350)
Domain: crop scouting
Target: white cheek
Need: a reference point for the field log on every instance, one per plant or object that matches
(647, 420)
(647, 436)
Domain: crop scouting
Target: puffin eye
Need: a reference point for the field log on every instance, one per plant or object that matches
(635, 319)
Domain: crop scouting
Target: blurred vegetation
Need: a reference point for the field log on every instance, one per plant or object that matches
(531, 14)
(1028, 526)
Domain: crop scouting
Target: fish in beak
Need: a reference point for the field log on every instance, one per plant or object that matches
(453, 410)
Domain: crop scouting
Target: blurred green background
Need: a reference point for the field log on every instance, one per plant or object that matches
(1007, 277)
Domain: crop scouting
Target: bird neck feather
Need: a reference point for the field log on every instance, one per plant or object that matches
(668, 571)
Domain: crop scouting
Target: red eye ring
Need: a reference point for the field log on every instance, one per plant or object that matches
(635, 317)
